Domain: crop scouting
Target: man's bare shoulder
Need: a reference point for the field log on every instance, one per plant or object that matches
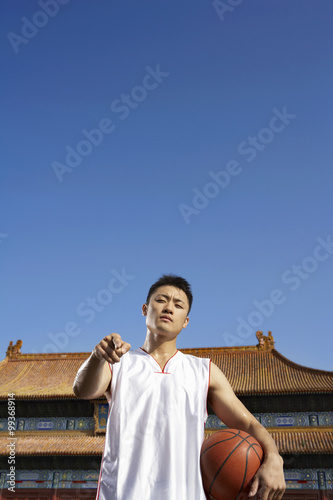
(217, 378)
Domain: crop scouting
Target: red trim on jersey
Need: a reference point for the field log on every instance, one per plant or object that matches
(210, 366)
(162, 369)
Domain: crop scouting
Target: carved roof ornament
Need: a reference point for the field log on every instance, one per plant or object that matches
(14, 351)
(265, 342)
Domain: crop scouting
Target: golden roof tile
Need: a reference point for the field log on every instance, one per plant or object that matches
(300, 441)
(54, 445)
(288, 441)
(251, 370)
(43, 377)
(306, 441)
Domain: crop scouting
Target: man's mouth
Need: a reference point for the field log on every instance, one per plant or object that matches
(166, 318)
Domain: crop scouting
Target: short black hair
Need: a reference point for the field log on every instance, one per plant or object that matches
(172, 280)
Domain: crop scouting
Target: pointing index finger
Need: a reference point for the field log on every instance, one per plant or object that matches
(116, 341)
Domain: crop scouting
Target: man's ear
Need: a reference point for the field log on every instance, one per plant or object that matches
(144, 310)
(186, 322)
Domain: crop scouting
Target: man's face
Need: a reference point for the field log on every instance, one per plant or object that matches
(167, 311)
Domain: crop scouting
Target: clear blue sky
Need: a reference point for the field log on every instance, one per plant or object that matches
(143, 138)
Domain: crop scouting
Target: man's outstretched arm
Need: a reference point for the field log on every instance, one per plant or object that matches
(269, 480)
(94, 376)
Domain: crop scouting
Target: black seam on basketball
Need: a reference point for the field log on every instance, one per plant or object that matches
(255, 451)
(245, 471)
(215, 444)
(252, 446)
(221, 441)
(218, 471)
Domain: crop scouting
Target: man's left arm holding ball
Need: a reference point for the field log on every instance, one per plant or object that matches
(269, 480)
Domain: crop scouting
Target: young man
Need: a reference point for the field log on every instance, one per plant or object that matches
(158, 407)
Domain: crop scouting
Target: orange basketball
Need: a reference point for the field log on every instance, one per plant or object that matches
(229, 459)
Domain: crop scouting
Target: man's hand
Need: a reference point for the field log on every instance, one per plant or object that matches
(111, 348)
(269, 483)
(94, 376)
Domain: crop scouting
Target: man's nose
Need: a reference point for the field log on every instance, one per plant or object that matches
(168, 309)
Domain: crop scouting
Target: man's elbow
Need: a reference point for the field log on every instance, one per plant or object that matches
(76, 390)
(82, 394)
(79, 393)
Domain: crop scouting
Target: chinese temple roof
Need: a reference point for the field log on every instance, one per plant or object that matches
(288, 441)
(251, 370)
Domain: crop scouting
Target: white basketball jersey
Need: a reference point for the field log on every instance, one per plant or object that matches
(155, 429)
